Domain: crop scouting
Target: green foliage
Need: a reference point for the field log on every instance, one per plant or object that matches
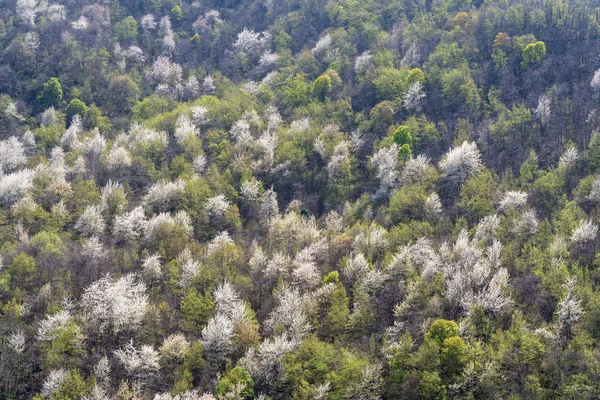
(122, 95)
(405, 152)
(76, 107)
(126, 30)
(237, 375)
(316, 363)
(322, 86)
(74, 387)
(196, 309)
(402, 135)
(441, 330)
(176, 13)
(407, 203)
(66, 348)
(296, 91)
(52, 94)
(332, 277)
(477, 197)
(415, 75)
(151, 106)
(278, 192)
(431, 387)
(22, 268)
(533, 54)
(390, 83)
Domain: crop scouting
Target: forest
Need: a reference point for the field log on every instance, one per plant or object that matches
(299, 199)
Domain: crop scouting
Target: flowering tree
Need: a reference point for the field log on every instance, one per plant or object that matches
(460, 163)
(115, 305)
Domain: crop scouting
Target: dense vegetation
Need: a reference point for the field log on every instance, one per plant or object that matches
(328, 199)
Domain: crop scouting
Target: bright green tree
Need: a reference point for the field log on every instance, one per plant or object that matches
(52, 93)
(76, 107)
(322, 86)
(126, 30)
(533, 54)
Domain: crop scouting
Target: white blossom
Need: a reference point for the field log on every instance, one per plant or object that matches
(31, 41)
(586, 231)
(526, 224)
(433, 205)
(264, 363)
(229, 304)
(543, 111)
(412, 97)
(568, 158)
(95, 146)
(187, 395)
(12, 155)
(269, 208)
(300, 125)
(240, 132)
(152, 266)
(513, 200)
(268, 61)
(130, 225)
(370, 385)
(322, 45)
(14, 186)
(268, 141)
(148, 22)
(118, 158)
(486, 228)
(94, 250)
(55, 378)
(91, 222)
(199, 115)
(139, 135)
(341, 152)
(290, 313)
(174, 346)
(216, 206)
(250, 190)
(595, 83)
(181, 219)
(460, 163)
(217, 337)
(207, 22)
(102, 371)
(568, 311)
(27, 10)
(220, 241)
(189, 270)
(412, 56)
(116, 304)
(70, 139)
(363, 62)
(49, 117)
(357, 140)
(185, 129)
(98, 393)
(162, 194)
(81, 24)
(385, 162)
(16, 341)
(250, 43)
(139, 363)
(356, 267)
(12, 111)
(56, 12)
(208, 86)
(414, 170)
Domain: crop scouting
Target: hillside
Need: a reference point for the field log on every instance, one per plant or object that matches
(318, 199)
